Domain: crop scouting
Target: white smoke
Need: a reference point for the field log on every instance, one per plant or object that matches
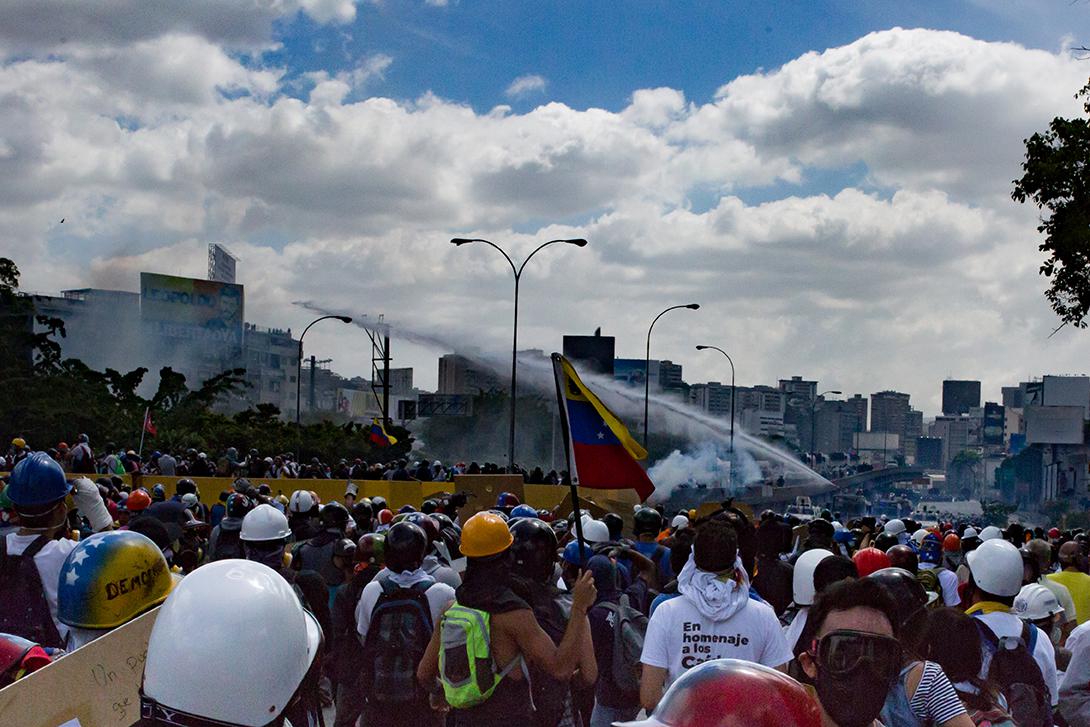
(710, 463)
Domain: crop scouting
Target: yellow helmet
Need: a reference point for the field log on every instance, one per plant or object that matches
(18, 443)
(111, 578)
(485, 534)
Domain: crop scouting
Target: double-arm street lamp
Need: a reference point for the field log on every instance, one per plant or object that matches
(647, 364)
(299, 363)
(517, 271)
(732, 390)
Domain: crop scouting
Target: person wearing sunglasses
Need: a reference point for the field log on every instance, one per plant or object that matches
(854, 657)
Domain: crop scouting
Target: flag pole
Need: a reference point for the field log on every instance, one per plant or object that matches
(143, 431)
(573, 477)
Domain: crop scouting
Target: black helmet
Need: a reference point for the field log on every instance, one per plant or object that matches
(885, 541)
(615, 523)
(442, 520)
(647, 521)
(429, 526)
(534, 549)
(429, 506)
(907, 592)
(238, 505)
(333, 515)
(185, 485)
(362, 512)
(406, 544)
(378, 503)
(344, 548)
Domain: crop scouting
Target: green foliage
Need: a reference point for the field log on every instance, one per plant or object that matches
(1057, 179)
(996, 513)
(47, 399)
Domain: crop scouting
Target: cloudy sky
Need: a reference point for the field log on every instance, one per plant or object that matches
(830, 180)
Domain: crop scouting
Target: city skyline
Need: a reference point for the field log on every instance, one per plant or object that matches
(817, 177)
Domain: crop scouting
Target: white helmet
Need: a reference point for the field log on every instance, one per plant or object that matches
(189, 499)
(679, 521)
(1035, 602)
(919, 535)
(970, 532)
(991, 533)
(595, 531)
(301, 501)
(996, 567)
(802, 581)
(264, 522)
(895, 527)
(179, 678)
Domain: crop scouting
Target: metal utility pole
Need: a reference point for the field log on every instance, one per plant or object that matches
(647, 364)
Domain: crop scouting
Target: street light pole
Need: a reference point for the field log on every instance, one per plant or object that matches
(517, 272)
(299, 364)
(647, 364)
(732, 390)
(813, 423)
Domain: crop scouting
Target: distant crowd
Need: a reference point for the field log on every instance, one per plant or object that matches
(113, 460)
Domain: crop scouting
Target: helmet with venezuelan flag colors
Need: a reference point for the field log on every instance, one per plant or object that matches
(111, 578)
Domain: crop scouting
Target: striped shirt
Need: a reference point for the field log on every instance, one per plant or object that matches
(935, 700)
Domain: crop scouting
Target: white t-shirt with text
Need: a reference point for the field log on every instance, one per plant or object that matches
(679, 637)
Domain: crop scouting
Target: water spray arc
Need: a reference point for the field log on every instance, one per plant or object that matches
(458, 242)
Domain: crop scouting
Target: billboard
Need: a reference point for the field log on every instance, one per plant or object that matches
(994, 422)
(357, 404)
(1054, 424)
(202, 311)
(876, 441)
(631, 371)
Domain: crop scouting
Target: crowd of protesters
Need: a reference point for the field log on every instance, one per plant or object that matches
(115, 460)
(440, 613)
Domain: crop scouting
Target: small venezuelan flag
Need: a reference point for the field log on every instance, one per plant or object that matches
(378, 435)
(604, 455)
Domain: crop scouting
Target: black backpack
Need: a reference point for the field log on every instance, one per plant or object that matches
(228, 545)
(397, 638)
(1013, 670)
(24, 610)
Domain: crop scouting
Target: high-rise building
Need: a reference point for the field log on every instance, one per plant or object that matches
(954, 432)
(913, 430)
(596, 353)
(1014, 397)
(799, 387)
(670, 376)
(461, 375)
(712, 397)
(958, 396)
(889, 412)
(858, 405)
(836, 422)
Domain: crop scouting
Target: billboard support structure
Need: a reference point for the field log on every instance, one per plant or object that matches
(380, 357)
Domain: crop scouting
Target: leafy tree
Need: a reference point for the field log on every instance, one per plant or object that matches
(1057, 178)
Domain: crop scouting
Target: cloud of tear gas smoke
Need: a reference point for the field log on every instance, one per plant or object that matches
(666, 413)
(708, 464)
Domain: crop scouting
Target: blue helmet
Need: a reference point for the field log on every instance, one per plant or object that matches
(931, 549)
(37, 480)
(523, 511)
(573, 555)
(158, 493)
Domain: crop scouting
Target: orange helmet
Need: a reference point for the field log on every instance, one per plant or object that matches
(869, 560)
(138, 501)
(951, 543)
(485, 534)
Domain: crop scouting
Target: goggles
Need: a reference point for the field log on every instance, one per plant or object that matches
(843, 652)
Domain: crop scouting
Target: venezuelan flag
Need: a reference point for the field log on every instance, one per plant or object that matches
(603, 454)
(378, 435)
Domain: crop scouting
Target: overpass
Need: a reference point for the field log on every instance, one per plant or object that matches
(883, 478)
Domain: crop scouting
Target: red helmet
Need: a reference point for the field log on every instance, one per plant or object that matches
(385, 517)
(951, 543)
(1054, 533)
(728, 692)
(138, 501)
(869, 560)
